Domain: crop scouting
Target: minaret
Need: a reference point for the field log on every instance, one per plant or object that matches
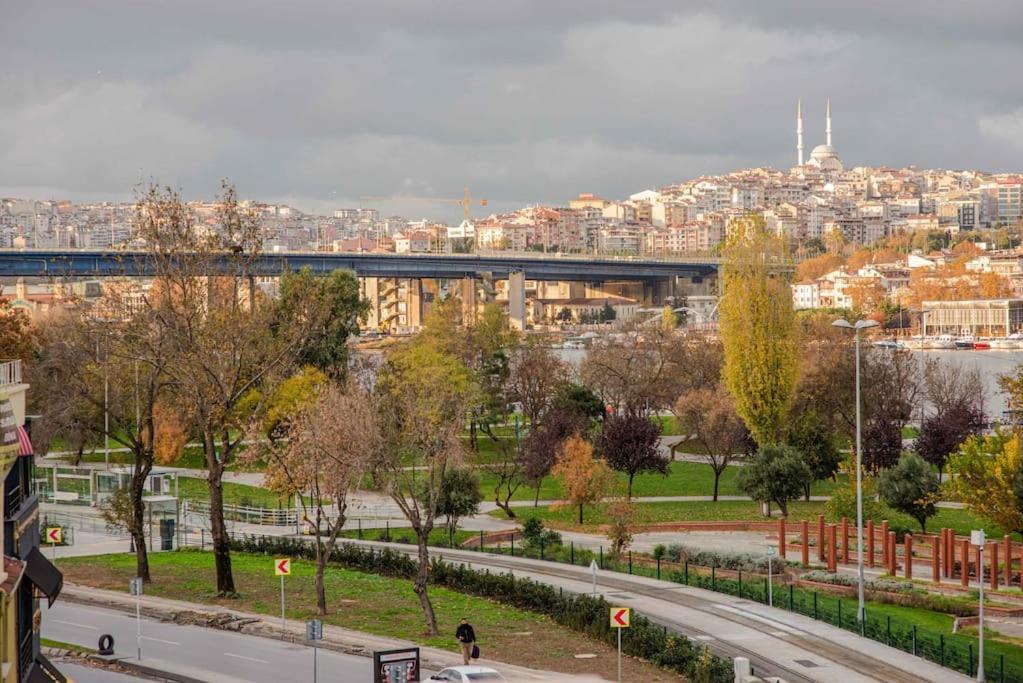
(827, 128)
(799, 131)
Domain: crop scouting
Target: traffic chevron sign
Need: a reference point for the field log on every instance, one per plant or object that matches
(55, 535)
(282, 566)
(620, 617)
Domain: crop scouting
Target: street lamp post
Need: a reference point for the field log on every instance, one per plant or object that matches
(978, 539)
(856, 327)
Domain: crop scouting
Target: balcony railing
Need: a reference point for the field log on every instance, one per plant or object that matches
(10, 372)
(25, 654)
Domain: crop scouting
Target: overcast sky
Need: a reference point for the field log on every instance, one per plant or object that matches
(319, 103)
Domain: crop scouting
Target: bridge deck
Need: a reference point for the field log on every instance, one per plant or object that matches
(82, 263)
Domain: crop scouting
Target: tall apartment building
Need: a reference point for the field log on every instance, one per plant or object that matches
(1010, 202)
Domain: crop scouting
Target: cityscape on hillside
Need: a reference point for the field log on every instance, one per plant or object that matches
(869, 237)
(816, 200)
(515, 342)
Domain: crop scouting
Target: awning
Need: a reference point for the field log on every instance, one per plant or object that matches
(24, 443)
(43, 671)
(43, 575)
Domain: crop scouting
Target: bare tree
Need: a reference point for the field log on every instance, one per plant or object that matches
(708, 417)
(332, 442)
(111, 358)
(649, 370)
(224, 344)
(947, 384)
(535, 376)
(426, 394)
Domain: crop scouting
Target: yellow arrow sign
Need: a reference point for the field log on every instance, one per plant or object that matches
(54, 535)
(282, 567)
(620, 617)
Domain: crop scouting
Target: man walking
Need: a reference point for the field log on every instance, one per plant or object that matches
(466, 638)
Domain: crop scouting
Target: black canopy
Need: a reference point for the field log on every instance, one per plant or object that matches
(43, 575)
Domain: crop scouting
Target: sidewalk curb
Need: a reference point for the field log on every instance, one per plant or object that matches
(119, 662)
(145, 670)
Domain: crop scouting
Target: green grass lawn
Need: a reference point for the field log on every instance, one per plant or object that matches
(652, 513)
(438, 537)
(363, 602)
(683, 479)
(726, 510)
(191, 488)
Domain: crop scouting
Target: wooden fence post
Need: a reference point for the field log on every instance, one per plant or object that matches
(820, 538)
(832, 549)
(1007, 547)
(870, 543)
(781, 537)
(805, 531)
(885, 559)
(845, 540)
(993, 563)
(936, 558)
(908, 551)
(964, 548)
(893, 564)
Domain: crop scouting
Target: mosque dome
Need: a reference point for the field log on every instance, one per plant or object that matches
(825, 157)
(823, 152)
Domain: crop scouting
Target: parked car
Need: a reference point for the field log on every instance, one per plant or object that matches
(467, 674)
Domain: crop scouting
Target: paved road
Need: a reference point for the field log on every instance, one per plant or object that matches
(779, 643)
(202, 653)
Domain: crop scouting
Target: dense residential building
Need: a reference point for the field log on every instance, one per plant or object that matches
(820, 197)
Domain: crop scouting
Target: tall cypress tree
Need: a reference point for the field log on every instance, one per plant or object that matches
(758, 328)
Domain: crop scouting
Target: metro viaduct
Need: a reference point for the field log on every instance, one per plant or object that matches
(374, 267)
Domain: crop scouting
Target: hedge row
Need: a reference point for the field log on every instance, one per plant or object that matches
(581, 613)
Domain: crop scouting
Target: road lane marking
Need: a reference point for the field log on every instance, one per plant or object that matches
(756, 617)
(251, 659)
(160, 640)
(76, 625)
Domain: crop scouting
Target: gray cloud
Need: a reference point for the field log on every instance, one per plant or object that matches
(318, 103)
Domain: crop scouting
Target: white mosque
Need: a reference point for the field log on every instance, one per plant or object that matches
(823, 157)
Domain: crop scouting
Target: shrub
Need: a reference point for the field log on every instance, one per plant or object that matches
(838, 579)
(581, 613)
(895, 592)
(676, 552)
(534, 534)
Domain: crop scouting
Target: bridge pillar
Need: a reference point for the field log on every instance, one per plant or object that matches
(517, 300)
(371, 293)
(649, 292)
(469, 305)
(414, 303)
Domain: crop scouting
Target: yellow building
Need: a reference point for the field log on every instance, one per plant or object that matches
(25, 574)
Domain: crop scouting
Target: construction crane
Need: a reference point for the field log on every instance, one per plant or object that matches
(466, 201)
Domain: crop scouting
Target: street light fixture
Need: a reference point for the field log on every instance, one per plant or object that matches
(978, 539)
(856, 327)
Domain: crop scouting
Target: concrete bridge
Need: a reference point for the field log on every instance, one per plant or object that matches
(390, 278)
(559, 267)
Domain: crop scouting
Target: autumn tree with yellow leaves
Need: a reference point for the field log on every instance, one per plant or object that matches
(758, 328)
(986, 477)
(584, 479)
